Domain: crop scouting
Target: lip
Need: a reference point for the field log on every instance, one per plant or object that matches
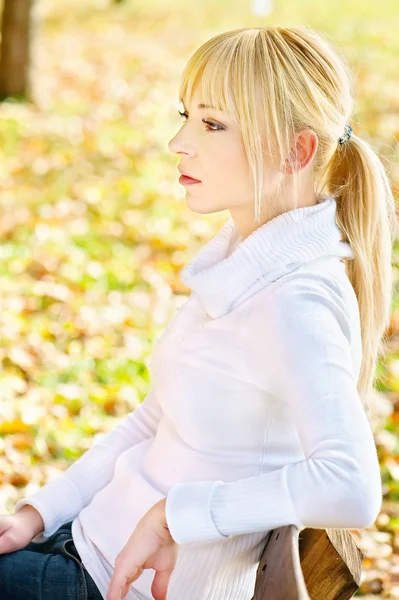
(187, 174)
(187, 180)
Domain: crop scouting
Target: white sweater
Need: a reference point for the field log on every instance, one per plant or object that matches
(253, 420)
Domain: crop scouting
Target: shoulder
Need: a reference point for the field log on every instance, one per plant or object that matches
(308, 319)
(321, 286)
(313, 307)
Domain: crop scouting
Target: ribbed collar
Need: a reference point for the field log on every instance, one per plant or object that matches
(223, 279)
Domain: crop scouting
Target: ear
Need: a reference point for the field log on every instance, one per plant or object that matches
(302, 154)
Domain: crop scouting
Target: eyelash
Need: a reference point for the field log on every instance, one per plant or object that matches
(209, 125)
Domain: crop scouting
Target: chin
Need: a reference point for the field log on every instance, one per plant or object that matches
(202, 209)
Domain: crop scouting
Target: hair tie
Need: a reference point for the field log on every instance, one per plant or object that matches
(345, 138)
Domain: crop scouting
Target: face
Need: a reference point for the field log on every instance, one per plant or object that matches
(211, 150)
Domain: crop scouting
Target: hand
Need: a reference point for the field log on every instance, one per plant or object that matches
(149, 547)
(34, 519)
(17, 530)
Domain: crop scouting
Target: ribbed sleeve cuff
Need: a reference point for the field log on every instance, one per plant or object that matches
(188, 513)
(58, 502)
(254, 504)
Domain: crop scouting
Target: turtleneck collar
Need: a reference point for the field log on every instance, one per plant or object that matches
(222, 278)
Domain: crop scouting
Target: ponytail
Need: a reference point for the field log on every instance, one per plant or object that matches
(366, 214)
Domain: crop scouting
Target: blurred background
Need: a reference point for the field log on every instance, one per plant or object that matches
(94, 227)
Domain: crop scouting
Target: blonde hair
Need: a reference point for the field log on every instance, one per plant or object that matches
(275, 81)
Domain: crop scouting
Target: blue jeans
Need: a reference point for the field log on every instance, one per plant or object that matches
(50, 570)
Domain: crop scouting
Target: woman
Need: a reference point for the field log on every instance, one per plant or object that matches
(257, 415)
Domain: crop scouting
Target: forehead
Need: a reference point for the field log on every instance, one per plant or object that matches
(198, 103)
(202, 99)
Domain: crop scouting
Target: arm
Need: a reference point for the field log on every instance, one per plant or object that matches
(299, 350)
(61, 500)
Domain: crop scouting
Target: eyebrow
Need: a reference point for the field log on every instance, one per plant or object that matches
(208, 106)
(201, 106)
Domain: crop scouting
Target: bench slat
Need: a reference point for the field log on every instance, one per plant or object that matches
(315, 564)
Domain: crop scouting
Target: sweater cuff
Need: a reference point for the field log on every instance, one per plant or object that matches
(188, 514)
(259, 503)
(58, 502)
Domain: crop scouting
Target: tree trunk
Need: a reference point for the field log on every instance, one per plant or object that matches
(15, 49)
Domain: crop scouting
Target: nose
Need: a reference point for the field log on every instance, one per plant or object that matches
(178, 145)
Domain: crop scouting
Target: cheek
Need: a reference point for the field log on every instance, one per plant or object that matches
(240, 174)
(230, 165)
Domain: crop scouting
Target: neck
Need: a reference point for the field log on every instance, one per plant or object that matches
(227, 270)
(244, 218)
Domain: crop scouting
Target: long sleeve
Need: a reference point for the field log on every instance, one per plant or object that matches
(61, 500)
(297, 346)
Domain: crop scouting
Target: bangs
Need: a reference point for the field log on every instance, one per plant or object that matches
(235, 73)
(215, 72)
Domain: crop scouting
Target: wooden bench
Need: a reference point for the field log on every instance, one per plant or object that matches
(314, 564)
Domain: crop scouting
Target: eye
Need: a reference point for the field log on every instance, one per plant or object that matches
(209, 126)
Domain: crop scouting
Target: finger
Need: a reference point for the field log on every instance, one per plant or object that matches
(121, 584)
(160, 584)
(113, 592)
(116, 585)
